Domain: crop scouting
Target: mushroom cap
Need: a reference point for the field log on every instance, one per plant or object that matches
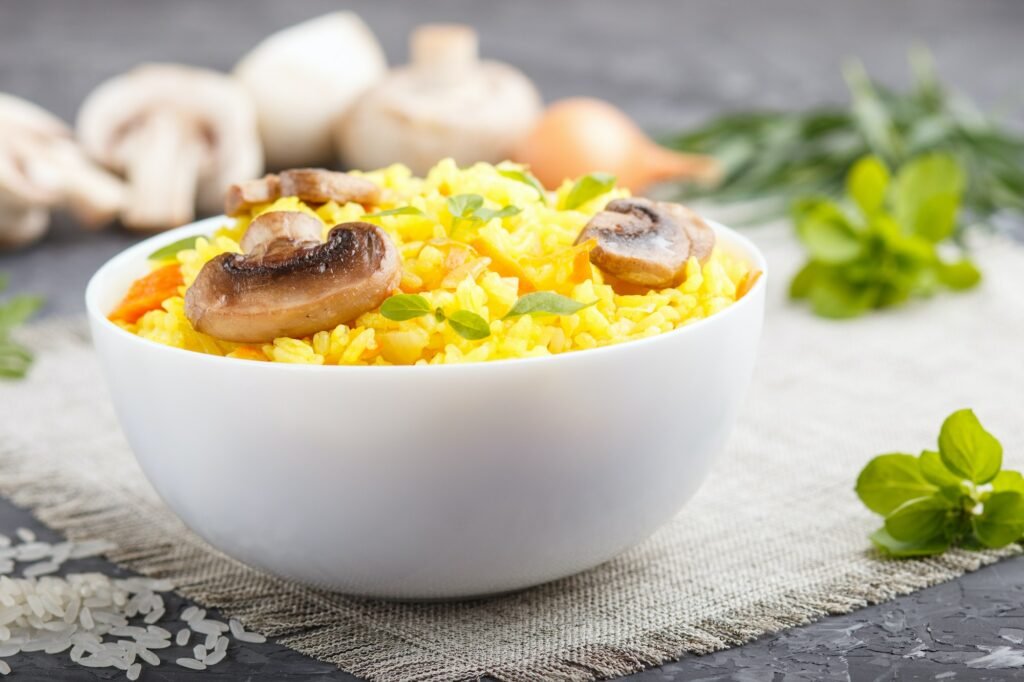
(445, 103)
(294, 227)
(211, 107)
(312, 185)
(295, 291)
(303, 79)
(647, 243)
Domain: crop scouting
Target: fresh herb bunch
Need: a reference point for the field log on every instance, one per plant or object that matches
(780, 156)
(15, 359)
(884, 249)
(468, 324)
(469, 208)
(954, 497)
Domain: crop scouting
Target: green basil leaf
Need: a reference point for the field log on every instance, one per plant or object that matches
(403, 210)
(469, 325)
(935, 472)
(484, 213)
(526, 178)
(15, 360)
(1001, 521)
(921, 520)
(403, 307)
(587, 188)
(803, 281)
(464, 205)
(16, 310)
(927, 194)
(867, 184)
(171, 250)
(1008, 480)
(902, 549)
(960, 275)
(546, 303)
(967, 449)
(827, 233)
(891, 480)
(833, 297)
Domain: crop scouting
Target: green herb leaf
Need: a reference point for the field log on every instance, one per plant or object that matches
(835, 298)
(171, 250)
(526, 178)
(587, 188)
(889, 481)
(1008, 480)
(921, 520)
(403, 307)
(485, 214)
(960, 275)
(902, 549)
(935, 472)
(469, 325)
(804, 280)
(402, 210)
(1001, 521)
(546, 303)
(927, 195)
(826, 232)
(16, 310)
(464, 205)
(867, 184)
(967, 449)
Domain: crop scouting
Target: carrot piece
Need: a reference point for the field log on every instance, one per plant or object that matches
(747, 284)
(503, 265)
(581, 271)
(148, 293)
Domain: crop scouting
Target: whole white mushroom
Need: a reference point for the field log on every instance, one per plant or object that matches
(303, 79)
(445, 103)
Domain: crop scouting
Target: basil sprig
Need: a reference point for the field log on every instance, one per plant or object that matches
(586, 188)
(469, 208)
(546, 303)
(957, 496)
(15, 359)
(886, 251)
(526, 178)
(171, 250)
(465, 323)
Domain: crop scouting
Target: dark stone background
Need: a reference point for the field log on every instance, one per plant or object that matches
(668, 64)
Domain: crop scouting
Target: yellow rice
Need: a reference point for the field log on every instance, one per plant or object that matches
(441, 264)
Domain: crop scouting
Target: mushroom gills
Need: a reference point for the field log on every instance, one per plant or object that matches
(312, 185)
(289, 286)
(647, 243)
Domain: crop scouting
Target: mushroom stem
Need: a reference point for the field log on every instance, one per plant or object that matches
(20, 224)
(444, 51)
(162, 171)
(93, 195)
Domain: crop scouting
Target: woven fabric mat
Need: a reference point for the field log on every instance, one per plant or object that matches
(775, 538)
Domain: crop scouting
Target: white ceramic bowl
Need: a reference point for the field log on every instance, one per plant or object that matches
(428, 482)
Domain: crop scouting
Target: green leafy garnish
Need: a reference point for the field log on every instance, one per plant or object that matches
(403, 307)
(526, 178)
(588, 187)
(402, 210)
(885, 250)
(470, 208)
(171, 250)
(955, 496)
(465, 323)
(15, 359)
(546, 303)
(776, 157)
(469, 325)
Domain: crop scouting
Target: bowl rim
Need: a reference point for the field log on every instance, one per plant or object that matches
(145, 247)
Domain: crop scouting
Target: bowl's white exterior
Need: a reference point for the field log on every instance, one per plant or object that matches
(428, 482)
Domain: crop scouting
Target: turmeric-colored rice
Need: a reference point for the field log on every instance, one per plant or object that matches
(480, 266)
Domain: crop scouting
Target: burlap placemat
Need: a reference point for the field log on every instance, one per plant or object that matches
(775, 537)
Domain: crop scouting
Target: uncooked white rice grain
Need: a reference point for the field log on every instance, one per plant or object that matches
(4, 668)
(4, 541)
(199, 652)
(25, 535)
(159, 631)
(188, 613)
(222, 644)
(134, 670)
(215, 658)
(86, 616)
(191, 663)
(153, 616)
(211, 640)
(9, 650)
(183, 636)
(148, 656)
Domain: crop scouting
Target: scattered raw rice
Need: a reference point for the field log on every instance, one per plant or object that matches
(83, 612)
(242, 636)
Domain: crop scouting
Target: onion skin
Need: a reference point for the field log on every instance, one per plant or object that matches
(580, 135)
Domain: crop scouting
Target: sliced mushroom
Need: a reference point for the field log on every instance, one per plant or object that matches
(180, 135)
(648, 243)
(41, 167)
(290, 284)
(312, 185)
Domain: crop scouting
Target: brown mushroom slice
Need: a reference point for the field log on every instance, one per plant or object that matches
(294, 288)
(244, 195)
(647, 243)
(318, 186)
(281, 231)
